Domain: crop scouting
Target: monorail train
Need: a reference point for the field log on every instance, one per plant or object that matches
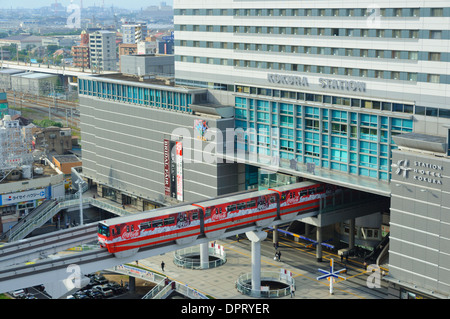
(183, 224)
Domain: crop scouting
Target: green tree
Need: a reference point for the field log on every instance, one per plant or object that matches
(47, 123)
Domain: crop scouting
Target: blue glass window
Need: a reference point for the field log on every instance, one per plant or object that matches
(369, 120)
(339, 116)
(338, 155)
(312, 112)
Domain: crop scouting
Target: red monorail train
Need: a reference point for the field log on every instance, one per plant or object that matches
(183, 224)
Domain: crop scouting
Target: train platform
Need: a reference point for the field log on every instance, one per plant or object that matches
(220, 282)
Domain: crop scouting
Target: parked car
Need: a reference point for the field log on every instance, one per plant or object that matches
(18, 293)
(100, 279)
(93, 294)
(80, 295)
(104, 290)
(116, 288)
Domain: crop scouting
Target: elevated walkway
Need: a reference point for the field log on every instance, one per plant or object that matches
(164, 286)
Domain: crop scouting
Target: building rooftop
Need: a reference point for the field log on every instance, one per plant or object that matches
(36, 75)
(70, 158)
(39, 170)
(147, 79)
(423, 142)
(11, 71)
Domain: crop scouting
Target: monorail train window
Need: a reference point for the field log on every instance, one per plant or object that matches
(208, 212)
(157, 223)
(146, 225)
(312, 191)
(272, 199)
(251, 204)
(128, 229)
(195, 215)
(169, 221)
(321, 189)
(231, 208)
(303, 193)
(103, 230)
(240, 206)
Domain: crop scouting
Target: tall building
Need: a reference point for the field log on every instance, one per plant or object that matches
(103, 50)
(133, 33)
(80, 52)
(329, 86)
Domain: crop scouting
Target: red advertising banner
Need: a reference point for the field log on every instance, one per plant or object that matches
(167, 167)
(179, 161)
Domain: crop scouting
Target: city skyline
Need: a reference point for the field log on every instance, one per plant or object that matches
(134, 4)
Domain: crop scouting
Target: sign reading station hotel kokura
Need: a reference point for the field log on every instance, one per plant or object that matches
(421, 171)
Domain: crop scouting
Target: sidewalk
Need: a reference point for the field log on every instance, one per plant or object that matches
(220, 282)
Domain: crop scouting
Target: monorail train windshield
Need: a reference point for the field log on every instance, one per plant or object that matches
(103, 230)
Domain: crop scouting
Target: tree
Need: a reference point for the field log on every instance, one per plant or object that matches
(46, 123)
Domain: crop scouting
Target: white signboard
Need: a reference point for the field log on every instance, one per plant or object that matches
(23, 196)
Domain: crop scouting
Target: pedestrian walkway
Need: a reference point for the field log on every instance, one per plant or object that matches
(220, 282)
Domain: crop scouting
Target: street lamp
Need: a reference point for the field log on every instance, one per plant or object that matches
(80, 189)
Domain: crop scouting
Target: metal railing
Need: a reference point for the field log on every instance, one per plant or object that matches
(182, 258)
(62, 202)
(244, 286)
(164, 285)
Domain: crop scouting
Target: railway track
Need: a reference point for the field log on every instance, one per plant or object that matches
(65, 111)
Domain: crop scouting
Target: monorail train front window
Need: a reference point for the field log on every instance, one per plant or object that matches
(103, 230)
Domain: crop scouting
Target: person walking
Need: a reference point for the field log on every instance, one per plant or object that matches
(279, 256)
(162, 265)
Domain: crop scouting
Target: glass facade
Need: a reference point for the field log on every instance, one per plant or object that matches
(126, 92)
(343, 140)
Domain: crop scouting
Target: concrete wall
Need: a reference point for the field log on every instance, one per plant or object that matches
(123, 148)
(419, 251)
(147, 64)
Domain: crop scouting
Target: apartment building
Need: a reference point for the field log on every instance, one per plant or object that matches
(103, 50)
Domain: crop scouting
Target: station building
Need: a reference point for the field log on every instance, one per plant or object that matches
(354, 95)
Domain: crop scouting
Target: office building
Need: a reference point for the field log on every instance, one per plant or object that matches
(132, 128)
(134, 33)
(329, 86)
(103, 50)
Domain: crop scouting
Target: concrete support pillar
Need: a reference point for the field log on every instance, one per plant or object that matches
(204, 256)
(256, 237)
(131, 284)
(275, 236)
(307, 229)
(351, 235)
(319, 242)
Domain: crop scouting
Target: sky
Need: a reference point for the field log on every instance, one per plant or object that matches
(130, 4)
